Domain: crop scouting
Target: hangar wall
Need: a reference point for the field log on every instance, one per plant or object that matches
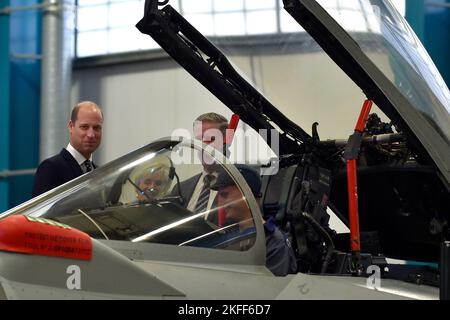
(141, 102)
(173, 98)
(148, 100)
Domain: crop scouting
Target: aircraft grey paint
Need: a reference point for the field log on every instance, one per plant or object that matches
(139, 262)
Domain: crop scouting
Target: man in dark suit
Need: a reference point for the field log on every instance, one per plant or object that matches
(210, 128)
(85, 130)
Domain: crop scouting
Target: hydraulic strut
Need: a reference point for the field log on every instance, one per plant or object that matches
(351, 155)
(234, 121)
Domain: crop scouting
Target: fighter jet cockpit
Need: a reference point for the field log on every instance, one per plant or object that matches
(162, 209)
(150, 196)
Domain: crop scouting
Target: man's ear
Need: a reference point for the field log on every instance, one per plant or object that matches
(70, 124)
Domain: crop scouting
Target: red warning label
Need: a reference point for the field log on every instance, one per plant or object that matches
(23, 234)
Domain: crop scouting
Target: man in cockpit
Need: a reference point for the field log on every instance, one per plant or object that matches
(280, 256)
(210, 128)
(151, 185)
(153, 180)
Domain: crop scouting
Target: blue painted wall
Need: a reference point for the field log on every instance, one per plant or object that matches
(437, 37)
(26, 33)
(432, 24)
(21, 150)
(4, 105)
(20, 33)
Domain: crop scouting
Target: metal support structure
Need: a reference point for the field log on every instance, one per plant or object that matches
(351, 155)
(16, 173)
(57, 54)
(4, 104)
(437, 4)
(35, 69)
(25, 56)
(4, 10)
(25, 87)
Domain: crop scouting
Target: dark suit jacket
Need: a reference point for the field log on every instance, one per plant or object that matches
(55, 171)
(187, 188)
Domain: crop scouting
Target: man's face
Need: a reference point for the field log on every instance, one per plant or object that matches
(151, 184)
(209, 133)
(86, 131)
(234, 204)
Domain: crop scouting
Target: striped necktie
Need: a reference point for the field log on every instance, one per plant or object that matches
(87, 166)
(202, 202)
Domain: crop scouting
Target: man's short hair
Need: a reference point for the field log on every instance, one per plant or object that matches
(76, 109)
(250, 175)
(215, 118)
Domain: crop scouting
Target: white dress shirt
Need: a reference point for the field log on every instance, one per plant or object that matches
(198, 190)
(77, 156)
